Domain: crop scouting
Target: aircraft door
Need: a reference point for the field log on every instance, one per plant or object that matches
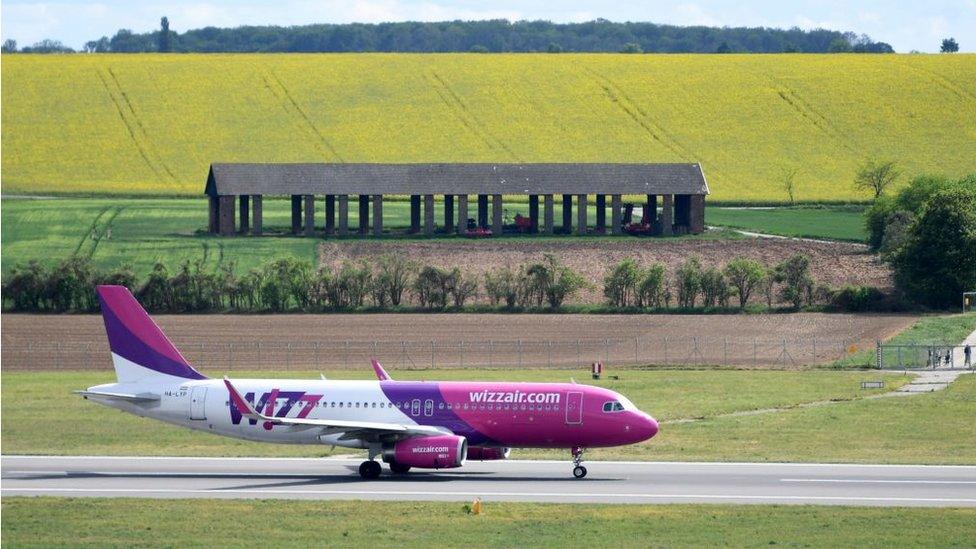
(574, 408)
(198, 401)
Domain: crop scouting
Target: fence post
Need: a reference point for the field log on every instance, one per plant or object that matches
(549, 345)
(345, 355)
(288, 354)
(259, 353)
(725, 350)
(518, 343)
(814, 349)
(58, 355)
(461, 352)
(755, 357)
(431, 352)
(636, 352)
(490, 349)
(606, 354)
(665, 350)
(579, 356)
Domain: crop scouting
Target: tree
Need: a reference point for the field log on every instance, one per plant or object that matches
(723, 48)
(794, 275)
(744, 276)
(949, 45)
(632, 47)
(165, 40)
(839, 45)
(936, 262)
(620, 284)
(788, 179)
(688, 279)
(9, 46)
(875, 176)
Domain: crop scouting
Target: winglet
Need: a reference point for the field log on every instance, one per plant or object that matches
(380, 372)
(243, 406)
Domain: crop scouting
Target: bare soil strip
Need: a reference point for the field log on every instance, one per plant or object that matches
(283, 342)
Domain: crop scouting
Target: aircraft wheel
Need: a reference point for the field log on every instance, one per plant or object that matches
(579, 471)
(399, 468)
(370, 469)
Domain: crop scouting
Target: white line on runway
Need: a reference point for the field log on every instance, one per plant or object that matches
(877, 481)
(513, 461)
(257, 493)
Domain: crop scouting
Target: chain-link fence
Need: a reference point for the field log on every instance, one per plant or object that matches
(571, 353)
(932, 356)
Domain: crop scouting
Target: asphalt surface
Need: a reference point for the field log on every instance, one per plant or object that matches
(550, 481)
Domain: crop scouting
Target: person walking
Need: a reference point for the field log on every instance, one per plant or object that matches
(968, 353)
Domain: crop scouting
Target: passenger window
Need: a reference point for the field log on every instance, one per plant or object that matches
(340, 404)
(440, 406)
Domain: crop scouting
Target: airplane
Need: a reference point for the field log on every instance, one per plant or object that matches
(408, 424)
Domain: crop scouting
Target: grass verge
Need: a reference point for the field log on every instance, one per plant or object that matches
(928, 330)
(136, 522)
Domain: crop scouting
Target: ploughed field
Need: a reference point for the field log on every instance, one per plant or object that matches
(151, 124)
(831, 263)
(328, 342)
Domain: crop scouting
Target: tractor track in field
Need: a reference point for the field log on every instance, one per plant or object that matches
(616, 95)
(137, 131)
(945, 83)
(453, 101)
(810, 114)
(292, 107)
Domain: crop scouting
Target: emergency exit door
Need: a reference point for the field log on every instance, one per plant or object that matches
(574, 408)
(198, 401)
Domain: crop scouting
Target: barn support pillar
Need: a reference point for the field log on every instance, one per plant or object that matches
(581, 214)
(567, 227)
(364, 214)
(616, 224)
(497, 221)
(548, 213)
(245, 213)
(414, 213)
(482, 210)
(257, 215)
(377, 215)
(462, 224)
(213, 220)
(650, 206)
(428, 214)
(226, 221)
(343, 214)
(309, 215)
(697, 214)
(601, 213)
(449, 213)
(667, 215)
(534, 212)
(330, 213)
(296, 213)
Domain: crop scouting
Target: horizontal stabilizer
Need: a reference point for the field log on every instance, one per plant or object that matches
(141, 397)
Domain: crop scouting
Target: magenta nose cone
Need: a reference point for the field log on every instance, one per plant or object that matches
(652, 426)
(645, 426)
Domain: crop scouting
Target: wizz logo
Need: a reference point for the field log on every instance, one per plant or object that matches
(277, 404)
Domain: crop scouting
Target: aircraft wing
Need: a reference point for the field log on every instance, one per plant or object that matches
(352, 429)
(139, 398)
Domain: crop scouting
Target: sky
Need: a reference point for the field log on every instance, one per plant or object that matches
(906, 25)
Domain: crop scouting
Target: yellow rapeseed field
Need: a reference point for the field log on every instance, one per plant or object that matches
(151, 124)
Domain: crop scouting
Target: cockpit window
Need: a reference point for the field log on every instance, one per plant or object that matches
(613, 406)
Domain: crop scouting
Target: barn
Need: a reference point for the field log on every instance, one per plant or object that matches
(671, 195)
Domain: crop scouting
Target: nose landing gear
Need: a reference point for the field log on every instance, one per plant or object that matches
(578, 470)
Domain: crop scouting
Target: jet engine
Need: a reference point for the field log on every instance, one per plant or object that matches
(479, 453)
(434, 452)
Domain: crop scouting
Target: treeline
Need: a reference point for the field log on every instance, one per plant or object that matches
(484, 36)
(927, 232)
(394, 282)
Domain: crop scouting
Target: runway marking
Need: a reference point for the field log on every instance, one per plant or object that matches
(877, 481)
(519, 461)
(256, 493)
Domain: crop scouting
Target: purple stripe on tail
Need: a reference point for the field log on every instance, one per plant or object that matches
(134, 336)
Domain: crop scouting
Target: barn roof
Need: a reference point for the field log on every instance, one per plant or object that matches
(463, 178)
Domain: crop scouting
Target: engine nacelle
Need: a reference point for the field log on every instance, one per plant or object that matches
(478, 453)
(435, 452)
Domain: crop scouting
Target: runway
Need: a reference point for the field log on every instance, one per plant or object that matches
(537, 481)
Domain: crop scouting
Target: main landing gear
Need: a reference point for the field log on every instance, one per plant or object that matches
(370, 469)
(578, 470)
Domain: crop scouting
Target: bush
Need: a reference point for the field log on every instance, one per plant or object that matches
(688, 280)
(620, 284)
(744, 277)
(552, 281)
(937, 261)
(461, 287)
(393, 278)
(650, 289)
(430, 289)
(714, 288)
(26, 287)
(794, 275)
(858, 299)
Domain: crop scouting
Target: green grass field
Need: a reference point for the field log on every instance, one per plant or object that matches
(142, 522)
(928, 330)
(151, 124)
(831, 223)
(931, 428)
(141, 232)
